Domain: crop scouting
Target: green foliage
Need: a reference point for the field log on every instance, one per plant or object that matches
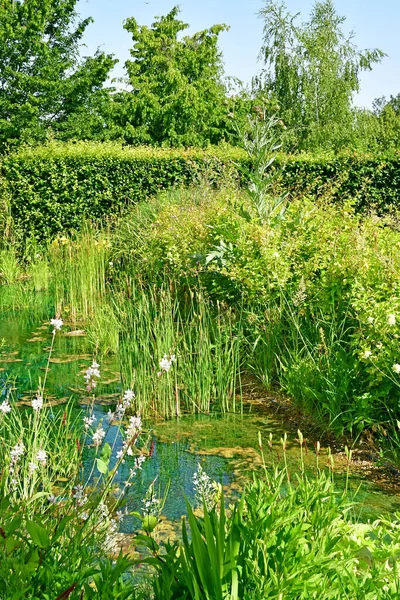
(204, 341)
(177, 97)
(43, 84)
(261, 145)
(54, 188)
(282, 540)
(315, 293)
(312, 71)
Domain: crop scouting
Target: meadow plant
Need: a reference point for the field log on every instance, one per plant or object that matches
(58, 530)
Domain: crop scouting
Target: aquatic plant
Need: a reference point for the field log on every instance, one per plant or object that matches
(58, 529)
(286, 537)
(180, 357)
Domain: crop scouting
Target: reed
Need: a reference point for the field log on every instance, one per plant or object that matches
(179, 356)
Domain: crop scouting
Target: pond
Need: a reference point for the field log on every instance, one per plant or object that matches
(226, 446)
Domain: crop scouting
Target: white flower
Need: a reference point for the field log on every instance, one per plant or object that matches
(367, 354)
(52, 499)
(110, 416)
(90, 374)
(37, 403)
(275, 255)
(137, 466)
(120, 514)
(166, 363)
(396, 368)
(41, 457)
(371, 319)
(205, 488)
(5, 407)
(32, 467)
(129, 396)
(57, 324)
(17, 452)
(391, 319)
(98, 436)
(88, 421)
(135, 425)
(79, 495)
(111, 263)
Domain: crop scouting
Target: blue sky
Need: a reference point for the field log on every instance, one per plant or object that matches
(376, 25)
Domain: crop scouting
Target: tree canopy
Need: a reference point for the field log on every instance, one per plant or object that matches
(43, 82)
(312, 70)
(177, 92)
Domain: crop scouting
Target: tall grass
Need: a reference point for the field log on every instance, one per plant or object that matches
(79, 270)
(204, 339)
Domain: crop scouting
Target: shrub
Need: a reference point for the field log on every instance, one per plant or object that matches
(319, 293)
(54, 188)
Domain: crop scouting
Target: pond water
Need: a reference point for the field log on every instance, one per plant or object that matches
(226, 446)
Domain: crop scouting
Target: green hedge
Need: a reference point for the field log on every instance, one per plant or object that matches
(371, 181)
(54, 188)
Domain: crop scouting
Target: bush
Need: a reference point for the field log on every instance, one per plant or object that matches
(54, 188)
(319, 293)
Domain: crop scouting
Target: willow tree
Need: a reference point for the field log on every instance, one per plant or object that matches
(312, 70)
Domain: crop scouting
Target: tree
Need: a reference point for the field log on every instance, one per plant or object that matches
(178, 96)
(312, 71)
(43, 82)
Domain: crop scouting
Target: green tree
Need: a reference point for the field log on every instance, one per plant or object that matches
(312, 70)
(178, 96)
(43, 82)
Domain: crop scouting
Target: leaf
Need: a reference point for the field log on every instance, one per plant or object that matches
(38, 534)
(102, 467)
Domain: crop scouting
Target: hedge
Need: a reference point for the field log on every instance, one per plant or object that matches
(54, 188)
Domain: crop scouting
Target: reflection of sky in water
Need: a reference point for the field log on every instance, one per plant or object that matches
(172, 467)
(171, 463)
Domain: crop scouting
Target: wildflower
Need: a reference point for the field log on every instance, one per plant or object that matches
(91, 374)
(32, 467)
(396, 368)
(110, 416)
(166, 363)
(5, 407)
(41, 457)
(205, 488)
(122, 407)
(57, 324)
(152, 504)
(79, 495)
(391, 319)
(120, 514)
(111, 264)
(367, 354)
(88, 421)
(137, 466)
(128, 396)
(135, 425)
(17, 452)
(131, 434)
(52, 499)
(98, 436)
(371, 319)
(37, 403)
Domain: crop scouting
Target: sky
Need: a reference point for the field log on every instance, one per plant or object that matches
(375, 24)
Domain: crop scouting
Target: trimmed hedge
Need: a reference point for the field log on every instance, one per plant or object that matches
(54, 188)
(371, 181)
